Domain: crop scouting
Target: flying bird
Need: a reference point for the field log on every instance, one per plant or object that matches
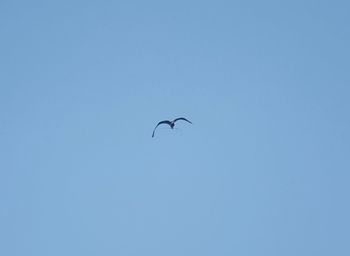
(170, 123)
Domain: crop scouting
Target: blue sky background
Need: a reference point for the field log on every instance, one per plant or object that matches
(263, 170)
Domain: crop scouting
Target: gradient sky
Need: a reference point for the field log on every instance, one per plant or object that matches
(263, 170)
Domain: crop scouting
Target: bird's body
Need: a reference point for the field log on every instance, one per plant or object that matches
(170, 123)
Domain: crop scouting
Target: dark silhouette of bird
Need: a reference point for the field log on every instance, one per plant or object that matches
(170, 123)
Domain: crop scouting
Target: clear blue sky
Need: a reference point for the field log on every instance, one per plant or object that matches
(263, 170)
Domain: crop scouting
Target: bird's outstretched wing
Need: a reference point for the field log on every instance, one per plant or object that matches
(182, 118)
(161, 122)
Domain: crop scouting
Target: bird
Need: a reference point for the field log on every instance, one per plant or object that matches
(170, 123)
